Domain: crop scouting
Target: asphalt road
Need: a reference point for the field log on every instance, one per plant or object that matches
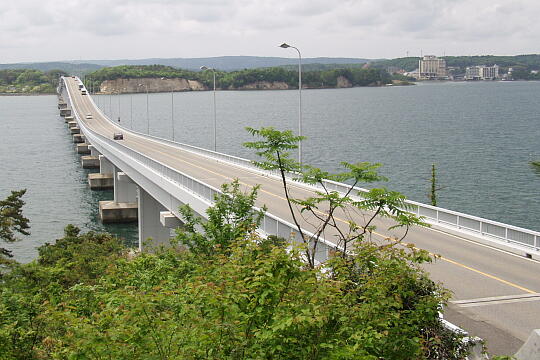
(496, 293)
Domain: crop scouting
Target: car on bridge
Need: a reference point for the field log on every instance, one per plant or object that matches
(88, 116)
(118, 136)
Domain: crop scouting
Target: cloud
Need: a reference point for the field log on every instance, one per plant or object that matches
(240, 26)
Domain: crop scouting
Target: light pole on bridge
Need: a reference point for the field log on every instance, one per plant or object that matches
(172, 107)
(285, 46)
(203, 68)
(147, 113)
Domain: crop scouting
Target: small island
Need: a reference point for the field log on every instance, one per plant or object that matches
(29, 81)
(159, 78)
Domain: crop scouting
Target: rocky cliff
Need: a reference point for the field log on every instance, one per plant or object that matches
(264, 85)
(140, 85)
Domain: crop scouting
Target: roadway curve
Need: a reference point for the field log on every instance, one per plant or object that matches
(496, 294)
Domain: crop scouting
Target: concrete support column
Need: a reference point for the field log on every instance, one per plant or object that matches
(93, 150)
(150, 226)
(105, 166)
(125, 190)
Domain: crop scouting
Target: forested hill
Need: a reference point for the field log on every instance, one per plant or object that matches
(28, 81)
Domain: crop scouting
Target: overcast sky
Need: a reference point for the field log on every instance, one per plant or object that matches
(46, 30)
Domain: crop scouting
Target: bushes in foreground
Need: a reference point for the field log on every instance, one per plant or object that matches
(87, 297)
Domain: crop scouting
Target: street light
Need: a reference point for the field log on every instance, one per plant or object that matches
(131, 110)
(118, 97)
(172, 108)
(147, 113)
(285, 46)
(203, 68)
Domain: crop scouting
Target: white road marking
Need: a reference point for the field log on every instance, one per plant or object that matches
(497, 300)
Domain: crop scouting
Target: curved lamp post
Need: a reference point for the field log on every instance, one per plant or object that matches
(203, 68)
(285, 46)
(147, 113)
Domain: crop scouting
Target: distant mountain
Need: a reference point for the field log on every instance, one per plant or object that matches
(226, 63)
(69, 67)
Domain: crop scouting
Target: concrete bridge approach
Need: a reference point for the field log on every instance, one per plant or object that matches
(493, 269)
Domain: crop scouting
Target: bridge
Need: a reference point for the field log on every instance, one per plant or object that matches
(492, 268)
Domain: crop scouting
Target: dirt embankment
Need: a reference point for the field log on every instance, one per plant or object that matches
(141, 85)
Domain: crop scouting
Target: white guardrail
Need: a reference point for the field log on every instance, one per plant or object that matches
(489, 229)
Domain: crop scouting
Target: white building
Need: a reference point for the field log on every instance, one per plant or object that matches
(482, 72)
(431, 67)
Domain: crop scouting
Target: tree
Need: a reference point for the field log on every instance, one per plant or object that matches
(12, 220)
(434, 186)
(232, 218)
(274, 148)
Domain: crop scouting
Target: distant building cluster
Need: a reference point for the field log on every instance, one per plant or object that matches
(482, 72)
(431, 67)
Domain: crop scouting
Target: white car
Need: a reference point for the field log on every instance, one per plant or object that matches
(88, 116)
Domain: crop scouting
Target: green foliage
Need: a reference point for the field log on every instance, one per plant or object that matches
(94, 79)
(325, 203)
(232, 218)
(11, 217)
(28, 291)
(29, 81)
(12, 221)
(256, 299)
(274, 148)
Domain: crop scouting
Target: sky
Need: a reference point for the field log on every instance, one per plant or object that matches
(50, 30)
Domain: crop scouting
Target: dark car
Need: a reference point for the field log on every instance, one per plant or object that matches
(118, 136)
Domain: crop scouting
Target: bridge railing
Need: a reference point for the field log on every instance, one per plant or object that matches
(461, 222)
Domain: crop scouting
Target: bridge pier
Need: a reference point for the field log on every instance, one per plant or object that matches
(104, 179)
(82, 148)
(91, 161)
(78, 138)
(152, 233)
(124, 206)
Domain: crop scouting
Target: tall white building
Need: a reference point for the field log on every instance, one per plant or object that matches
(431, 67)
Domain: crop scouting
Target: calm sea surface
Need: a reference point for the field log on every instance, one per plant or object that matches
(481, 136)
